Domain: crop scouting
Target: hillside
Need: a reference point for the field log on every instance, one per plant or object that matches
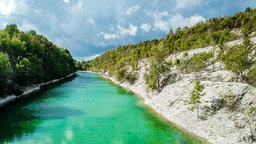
(201, 78)
(27, 58)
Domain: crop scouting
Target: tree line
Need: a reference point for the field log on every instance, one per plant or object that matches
(214, 31)
(27, 58)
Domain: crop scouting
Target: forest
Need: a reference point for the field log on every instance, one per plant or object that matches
(122, 62)
(27, 58)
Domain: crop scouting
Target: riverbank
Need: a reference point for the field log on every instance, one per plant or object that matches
(171, 104)
(145, 102)
(30, 90)
(222, 126)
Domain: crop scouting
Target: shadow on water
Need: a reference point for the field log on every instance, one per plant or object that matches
(18, 119)
(120, 90)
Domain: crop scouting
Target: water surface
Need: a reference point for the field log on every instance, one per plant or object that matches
(85, 110)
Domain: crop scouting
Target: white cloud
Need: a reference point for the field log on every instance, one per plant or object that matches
(132, 30)
(7, 7)
(164, 21)
(77, 7)
(66, 1)
(145, 27)
(133, 9)
(28, 26)
(183, 4)
(161, 20)
(86, 58)
(90, 21)
(179, 21)
(80, 5)
(108, 36)
(3, 25)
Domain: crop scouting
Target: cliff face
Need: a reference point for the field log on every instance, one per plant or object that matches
(223, 117)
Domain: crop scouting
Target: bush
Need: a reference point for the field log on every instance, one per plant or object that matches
(252, 76)
(176, 61)
(231, 101)
(131, 77)
(120, 75)
(199, 61)
(217, 104)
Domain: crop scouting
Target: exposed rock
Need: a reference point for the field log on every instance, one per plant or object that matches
(220, 125)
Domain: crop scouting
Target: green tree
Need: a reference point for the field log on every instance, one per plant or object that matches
(12, 29)
(24, 71)
(240, 58)
(195, 98)
(251, 121)
(159, 69)
(5, 73)
(237, 59)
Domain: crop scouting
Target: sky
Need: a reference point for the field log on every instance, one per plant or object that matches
(87, 28)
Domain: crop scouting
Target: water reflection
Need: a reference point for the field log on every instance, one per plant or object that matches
(23, 116)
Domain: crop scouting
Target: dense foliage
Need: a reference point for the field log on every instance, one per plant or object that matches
(27, 58)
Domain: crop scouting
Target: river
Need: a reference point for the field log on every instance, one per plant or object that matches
(85, 110)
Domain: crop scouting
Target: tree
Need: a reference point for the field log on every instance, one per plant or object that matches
(28, 58)
(5, 72)
(240, 58)
(250, 120)
(24, 71)
(12, 29)
(159, 68)
(32, 32)
(195, 98)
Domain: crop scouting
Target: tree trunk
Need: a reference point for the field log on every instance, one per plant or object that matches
(198, 114)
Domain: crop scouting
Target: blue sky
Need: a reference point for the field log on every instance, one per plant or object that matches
(88, 28)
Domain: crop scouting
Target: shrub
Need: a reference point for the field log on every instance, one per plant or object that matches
(217, 104)
(252, 76)
(199, 61)
(131, 77)
(231, 101)
(120, 74)
(176, 61)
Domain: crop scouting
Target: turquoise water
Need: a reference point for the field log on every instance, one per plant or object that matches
(85, 110)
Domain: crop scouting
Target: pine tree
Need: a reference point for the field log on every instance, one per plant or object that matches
(195, 98)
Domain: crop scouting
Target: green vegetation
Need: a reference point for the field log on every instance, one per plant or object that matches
(251, 122)
(195, 98)
(231, 101)
(215, 32)
(239, 58)
(82, 65)
(196, 63)
(27, 58)
(157, 73)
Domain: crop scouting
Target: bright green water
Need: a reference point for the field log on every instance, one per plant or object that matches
(86, 110)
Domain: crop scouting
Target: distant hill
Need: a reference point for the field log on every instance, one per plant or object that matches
(27, 58)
